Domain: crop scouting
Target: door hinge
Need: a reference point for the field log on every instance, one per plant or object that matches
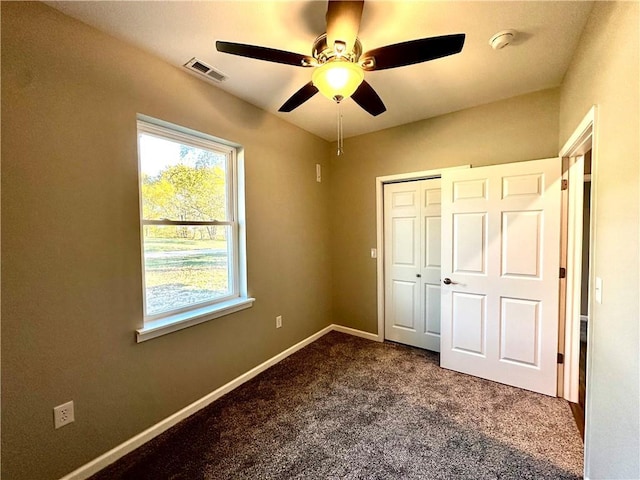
(561, 358)
(563, 272)
(565, 184)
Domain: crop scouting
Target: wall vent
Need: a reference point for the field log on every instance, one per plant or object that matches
(205, 71)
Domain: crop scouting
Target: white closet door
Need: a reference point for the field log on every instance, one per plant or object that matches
(500, 251)
(412, 263)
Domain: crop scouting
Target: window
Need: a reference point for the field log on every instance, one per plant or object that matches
(193, 268)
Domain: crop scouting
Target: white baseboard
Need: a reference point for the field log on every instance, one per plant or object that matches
(121, 450)
(358, 333)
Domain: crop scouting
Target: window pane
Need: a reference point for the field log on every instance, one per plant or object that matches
(185, 266)
(181, 182)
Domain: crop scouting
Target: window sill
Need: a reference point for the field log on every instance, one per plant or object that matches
(173, 323)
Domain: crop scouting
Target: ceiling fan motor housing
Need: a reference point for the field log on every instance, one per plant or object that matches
(322, 52)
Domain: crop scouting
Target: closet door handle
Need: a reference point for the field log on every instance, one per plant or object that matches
(418, 275)
(448, 281)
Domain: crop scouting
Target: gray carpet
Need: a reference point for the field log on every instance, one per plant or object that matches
(349, 408)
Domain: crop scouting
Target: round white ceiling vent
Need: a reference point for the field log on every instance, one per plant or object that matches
(502, 39)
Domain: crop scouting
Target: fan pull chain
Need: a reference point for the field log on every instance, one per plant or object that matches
(340, 133)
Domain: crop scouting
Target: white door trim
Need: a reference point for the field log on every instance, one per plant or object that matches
(582, 140)
(380, 181)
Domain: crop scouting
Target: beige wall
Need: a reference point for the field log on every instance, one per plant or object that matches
(604, 71)
(520, 128)
(71, 280)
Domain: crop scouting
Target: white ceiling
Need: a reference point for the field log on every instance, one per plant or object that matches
(177, 31)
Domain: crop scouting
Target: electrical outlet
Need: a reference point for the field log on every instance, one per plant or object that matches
(63, 414)
(279, 321)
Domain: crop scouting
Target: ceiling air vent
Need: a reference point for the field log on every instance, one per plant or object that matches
(205, 71)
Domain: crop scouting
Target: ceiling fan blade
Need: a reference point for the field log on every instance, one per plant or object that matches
(298, 98)
(264, 53)
(368, 99)
(343, 22)
(414, 51)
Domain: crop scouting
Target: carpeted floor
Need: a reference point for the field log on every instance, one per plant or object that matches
(349, 408)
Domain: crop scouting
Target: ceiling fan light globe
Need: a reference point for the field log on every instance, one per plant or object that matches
(337, 79)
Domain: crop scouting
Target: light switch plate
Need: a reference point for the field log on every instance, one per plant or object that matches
(374, 253)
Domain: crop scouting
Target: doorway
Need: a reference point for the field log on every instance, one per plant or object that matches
(580, 287)
(378, 251)
(579, 408)
(522, 351)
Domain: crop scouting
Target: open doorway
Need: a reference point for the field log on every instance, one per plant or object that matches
(579, 408)
(580, 168)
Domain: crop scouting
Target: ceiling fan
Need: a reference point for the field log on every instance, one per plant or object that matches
(339, 60)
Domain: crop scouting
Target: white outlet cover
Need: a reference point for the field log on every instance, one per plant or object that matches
(63, 414)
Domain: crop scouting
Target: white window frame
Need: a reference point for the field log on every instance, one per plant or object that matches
(167, 322)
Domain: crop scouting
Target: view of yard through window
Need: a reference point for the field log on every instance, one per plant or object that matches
(186, 260)
(182, 272)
